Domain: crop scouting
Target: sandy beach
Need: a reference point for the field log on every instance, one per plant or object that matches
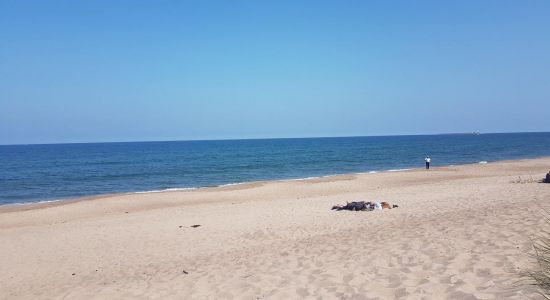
(460, 232)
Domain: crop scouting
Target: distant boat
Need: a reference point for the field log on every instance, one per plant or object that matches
(462, 133)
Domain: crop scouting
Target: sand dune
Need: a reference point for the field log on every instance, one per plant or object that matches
(460, 232)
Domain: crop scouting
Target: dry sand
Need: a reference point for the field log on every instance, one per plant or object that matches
(460, 232)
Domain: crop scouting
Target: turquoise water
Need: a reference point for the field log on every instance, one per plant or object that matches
(32, 173)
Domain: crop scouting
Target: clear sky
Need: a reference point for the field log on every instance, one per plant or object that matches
(85, 71)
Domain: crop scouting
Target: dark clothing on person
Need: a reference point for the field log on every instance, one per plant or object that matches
(427, 165)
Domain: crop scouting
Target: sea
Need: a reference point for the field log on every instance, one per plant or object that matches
(37, 173)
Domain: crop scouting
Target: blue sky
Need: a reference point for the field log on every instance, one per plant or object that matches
(85, 71)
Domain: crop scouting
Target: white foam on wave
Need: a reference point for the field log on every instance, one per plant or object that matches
(315, 177)
(164, 190)
(231, 184)
(398, 170)
(188, 188)
(305, 178)
(49, 201)
(373, 172)
(31, 203)
(482, 162)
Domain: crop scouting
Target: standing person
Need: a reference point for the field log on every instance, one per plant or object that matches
(428, 160)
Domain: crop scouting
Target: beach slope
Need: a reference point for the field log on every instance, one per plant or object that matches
(460, 232)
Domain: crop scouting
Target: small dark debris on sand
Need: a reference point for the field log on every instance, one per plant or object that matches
(195, 226)
(185, 272)
(73, 274)
(180, 226)
(125, 212)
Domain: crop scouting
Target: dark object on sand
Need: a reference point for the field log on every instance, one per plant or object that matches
(185, 272)
(361, 205)
(547, 179)
(195, 226)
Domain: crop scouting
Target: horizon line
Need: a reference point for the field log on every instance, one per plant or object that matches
(275, 138)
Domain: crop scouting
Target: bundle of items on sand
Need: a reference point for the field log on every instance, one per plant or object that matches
(362, 205)
(547, 179)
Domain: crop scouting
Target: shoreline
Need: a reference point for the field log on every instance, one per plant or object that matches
(24, 206)
(460, 232)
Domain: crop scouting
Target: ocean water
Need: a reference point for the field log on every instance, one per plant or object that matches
(33, 173)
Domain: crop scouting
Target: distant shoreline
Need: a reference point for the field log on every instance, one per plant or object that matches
(461, 133)
(38, 173)
(11, 207)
